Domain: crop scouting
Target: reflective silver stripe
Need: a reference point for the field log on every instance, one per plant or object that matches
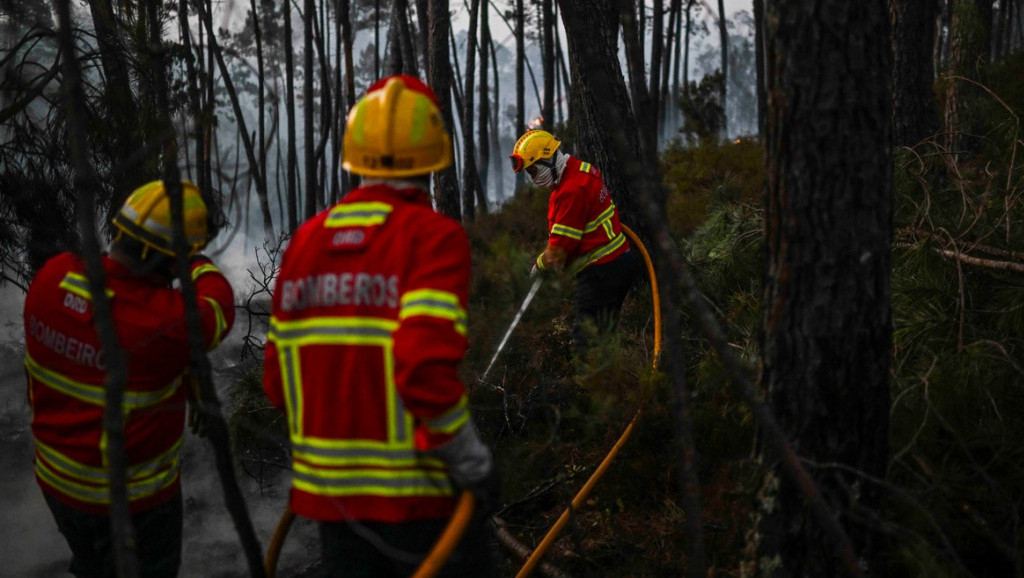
(71, 467)
(600, 220)
(598, 253)
(95, 394)
(566, 231)
(137, 472)
(79, 285)
(381, 482)
(101, 493)
(327, 332)
(453, 419)
(340, 455)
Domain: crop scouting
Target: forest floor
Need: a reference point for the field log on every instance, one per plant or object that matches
(32, 547)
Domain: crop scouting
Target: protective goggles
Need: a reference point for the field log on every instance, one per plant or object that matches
(517, 162)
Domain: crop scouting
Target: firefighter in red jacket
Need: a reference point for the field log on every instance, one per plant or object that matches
(368, 325)
(585, 237)
(66, 369)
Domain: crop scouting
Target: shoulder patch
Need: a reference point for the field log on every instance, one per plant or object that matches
(587, 168)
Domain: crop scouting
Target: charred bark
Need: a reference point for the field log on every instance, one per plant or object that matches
(827, 317)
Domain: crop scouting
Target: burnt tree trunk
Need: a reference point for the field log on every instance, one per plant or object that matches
(827, 317)
(915, 113)
(600, 18)
(439, 75)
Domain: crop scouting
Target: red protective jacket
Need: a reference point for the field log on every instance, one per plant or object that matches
(582, 218)
(66, 370)
(368, 326)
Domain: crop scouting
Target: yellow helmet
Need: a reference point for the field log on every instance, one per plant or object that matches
(146, 217)
(533, 146)
(396, 130)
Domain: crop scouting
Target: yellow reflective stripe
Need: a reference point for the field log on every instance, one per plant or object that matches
(221, 322)
(452, 420)
(597, 254)
(400, 421)
(369, 481)
(289, 336)
(100, 494)
(288, 360)
(358, 214)
(204, 268)
(434, 303)
(332, 330)
(79, 285)
(540, 262)
(95, 394)
(566, 231)
(602, 220)
(584, 167)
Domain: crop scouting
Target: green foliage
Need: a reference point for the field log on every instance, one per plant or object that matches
(710, 174)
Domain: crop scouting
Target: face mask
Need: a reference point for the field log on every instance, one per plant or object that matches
(545, 177)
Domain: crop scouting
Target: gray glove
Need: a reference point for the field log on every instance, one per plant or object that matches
(471, 467)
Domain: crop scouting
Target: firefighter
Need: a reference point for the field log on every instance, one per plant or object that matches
(585, 237)
(66, 368)
(368, 326)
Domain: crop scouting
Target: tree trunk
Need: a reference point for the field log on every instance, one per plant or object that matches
(759, 50)
(484, 110)
(592, 132)
(439, 72)
(587, 25)
(292, 162)
(520, 21)
(827, 318)
(915, 114)
(195, 106)
(547, 111)
(968, 60)
(309, 154)
(666, 66)
(199, 364)
(674, 105)
(260, 90)
(122, 537)
(653, 77)
(470, 177)
(261, 184)
(723, 38)
(643, 108)
(122, 108)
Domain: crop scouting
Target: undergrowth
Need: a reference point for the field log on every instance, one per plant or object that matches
(955, 483)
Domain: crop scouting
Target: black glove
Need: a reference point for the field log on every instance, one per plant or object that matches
(471, 467)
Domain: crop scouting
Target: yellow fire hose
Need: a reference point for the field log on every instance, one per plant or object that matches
(581, 496)
(428, 568)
